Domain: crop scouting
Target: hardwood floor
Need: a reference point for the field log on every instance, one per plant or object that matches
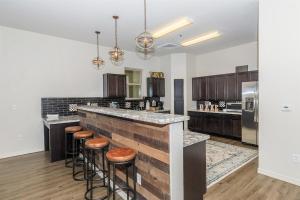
(247, 184)
(32, 177)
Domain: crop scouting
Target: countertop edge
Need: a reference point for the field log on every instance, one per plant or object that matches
(219, 112)
(141, 116)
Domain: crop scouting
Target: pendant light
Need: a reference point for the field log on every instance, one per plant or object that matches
(145, 41)
(116, 55)
(98, 61)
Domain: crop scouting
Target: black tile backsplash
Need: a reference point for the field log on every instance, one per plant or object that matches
(60, 105)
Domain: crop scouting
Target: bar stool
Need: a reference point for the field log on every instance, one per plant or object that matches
(121, 158)
(79, 139)
(69, 131)
(92, 147)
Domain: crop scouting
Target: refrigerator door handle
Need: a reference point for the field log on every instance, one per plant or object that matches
(254, 109)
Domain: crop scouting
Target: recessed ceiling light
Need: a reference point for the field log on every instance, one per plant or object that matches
(201, 38)
(172, 27)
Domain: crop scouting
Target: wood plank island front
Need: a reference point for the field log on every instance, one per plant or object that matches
(158, 140)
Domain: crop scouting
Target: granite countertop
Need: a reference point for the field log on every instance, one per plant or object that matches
(62, 120)
(219, 112)
(190, 138)
(144, 116)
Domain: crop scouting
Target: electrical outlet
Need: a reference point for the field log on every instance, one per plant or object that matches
(14, 107)
(296, 158)
(139, 178)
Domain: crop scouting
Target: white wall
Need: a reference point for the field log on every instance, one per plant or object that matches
(33, 66)
(225, 60)
(165, 65)
(279, 48)
(191, 72)
(175, 66)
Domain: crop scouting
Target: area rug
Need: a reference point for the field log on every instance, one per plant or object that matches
(223, 159)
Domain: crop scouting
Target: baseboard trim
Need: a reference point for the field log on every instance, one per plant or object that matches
(279, 176)
(14, 154)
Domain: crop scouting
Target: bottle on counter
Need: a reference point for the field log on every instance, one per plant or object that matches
(147, 105)
(153, 103)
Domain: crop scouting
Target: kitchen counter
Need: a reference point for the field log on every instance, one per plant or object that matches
(61, 120)
(190, 138)
(219, 112)
(143, 116)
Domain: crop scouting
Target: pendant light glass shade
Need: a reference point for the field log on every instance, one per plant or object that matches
(145, 40)
(98, 61)
(116, 55)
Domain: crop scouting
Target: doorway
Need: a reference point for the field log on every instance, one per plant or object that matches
(178, 96)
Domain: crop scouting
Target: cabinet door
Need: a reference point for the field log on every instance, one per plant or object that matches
(121, 86)
(221, 87)
(236, 127)
(195, 89)
(211, 88)
(253, 75)
(202, 86)
(231, 87)
(196, 121)
(227, 126)
(240, 77)
(110, 85)
(161, 87)
(212, 123)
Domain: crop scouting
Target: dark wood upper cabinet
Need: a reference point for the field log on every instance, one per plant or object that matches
(253, 75)
(203, 88)
(221, 87)
(211, 88)
(231, 94)
(195, 89)
(121, 86)
(114, 85)
(155, 87)
(241, 77)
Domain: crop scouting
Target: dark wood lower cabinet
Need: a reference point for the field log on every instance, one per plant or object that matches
(227, 125)
(54, 140)
(194, 166)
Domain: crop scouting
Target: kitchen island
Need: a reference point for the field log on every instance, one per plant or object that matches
(158, 140)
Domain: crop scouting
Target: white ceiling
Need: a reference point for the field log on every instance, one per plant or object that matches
(78, 19)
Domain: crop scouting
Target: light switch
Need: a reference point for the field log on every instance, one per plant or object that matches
(286, 108)
(14, 107)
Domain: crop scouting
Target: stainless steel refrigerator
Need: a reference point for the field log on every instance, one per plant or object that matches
(250, 112)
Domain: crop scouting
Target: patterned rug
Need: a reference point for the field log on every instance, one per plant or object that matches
(223, 159)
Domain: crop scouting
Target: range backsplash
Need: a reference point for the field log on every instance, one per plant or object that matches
(65, 106)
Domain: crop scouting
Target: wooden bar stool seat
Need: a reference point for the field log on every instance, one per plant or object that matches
(69, 131)
(96, 143)
(73, 129)
(84, 134)
(120, 154)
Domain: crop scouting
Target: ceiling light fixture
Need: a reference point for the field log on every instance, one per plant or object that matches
(145, 40)
(116, 55)
(172, 27)
(201, 38)
(98, 61)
